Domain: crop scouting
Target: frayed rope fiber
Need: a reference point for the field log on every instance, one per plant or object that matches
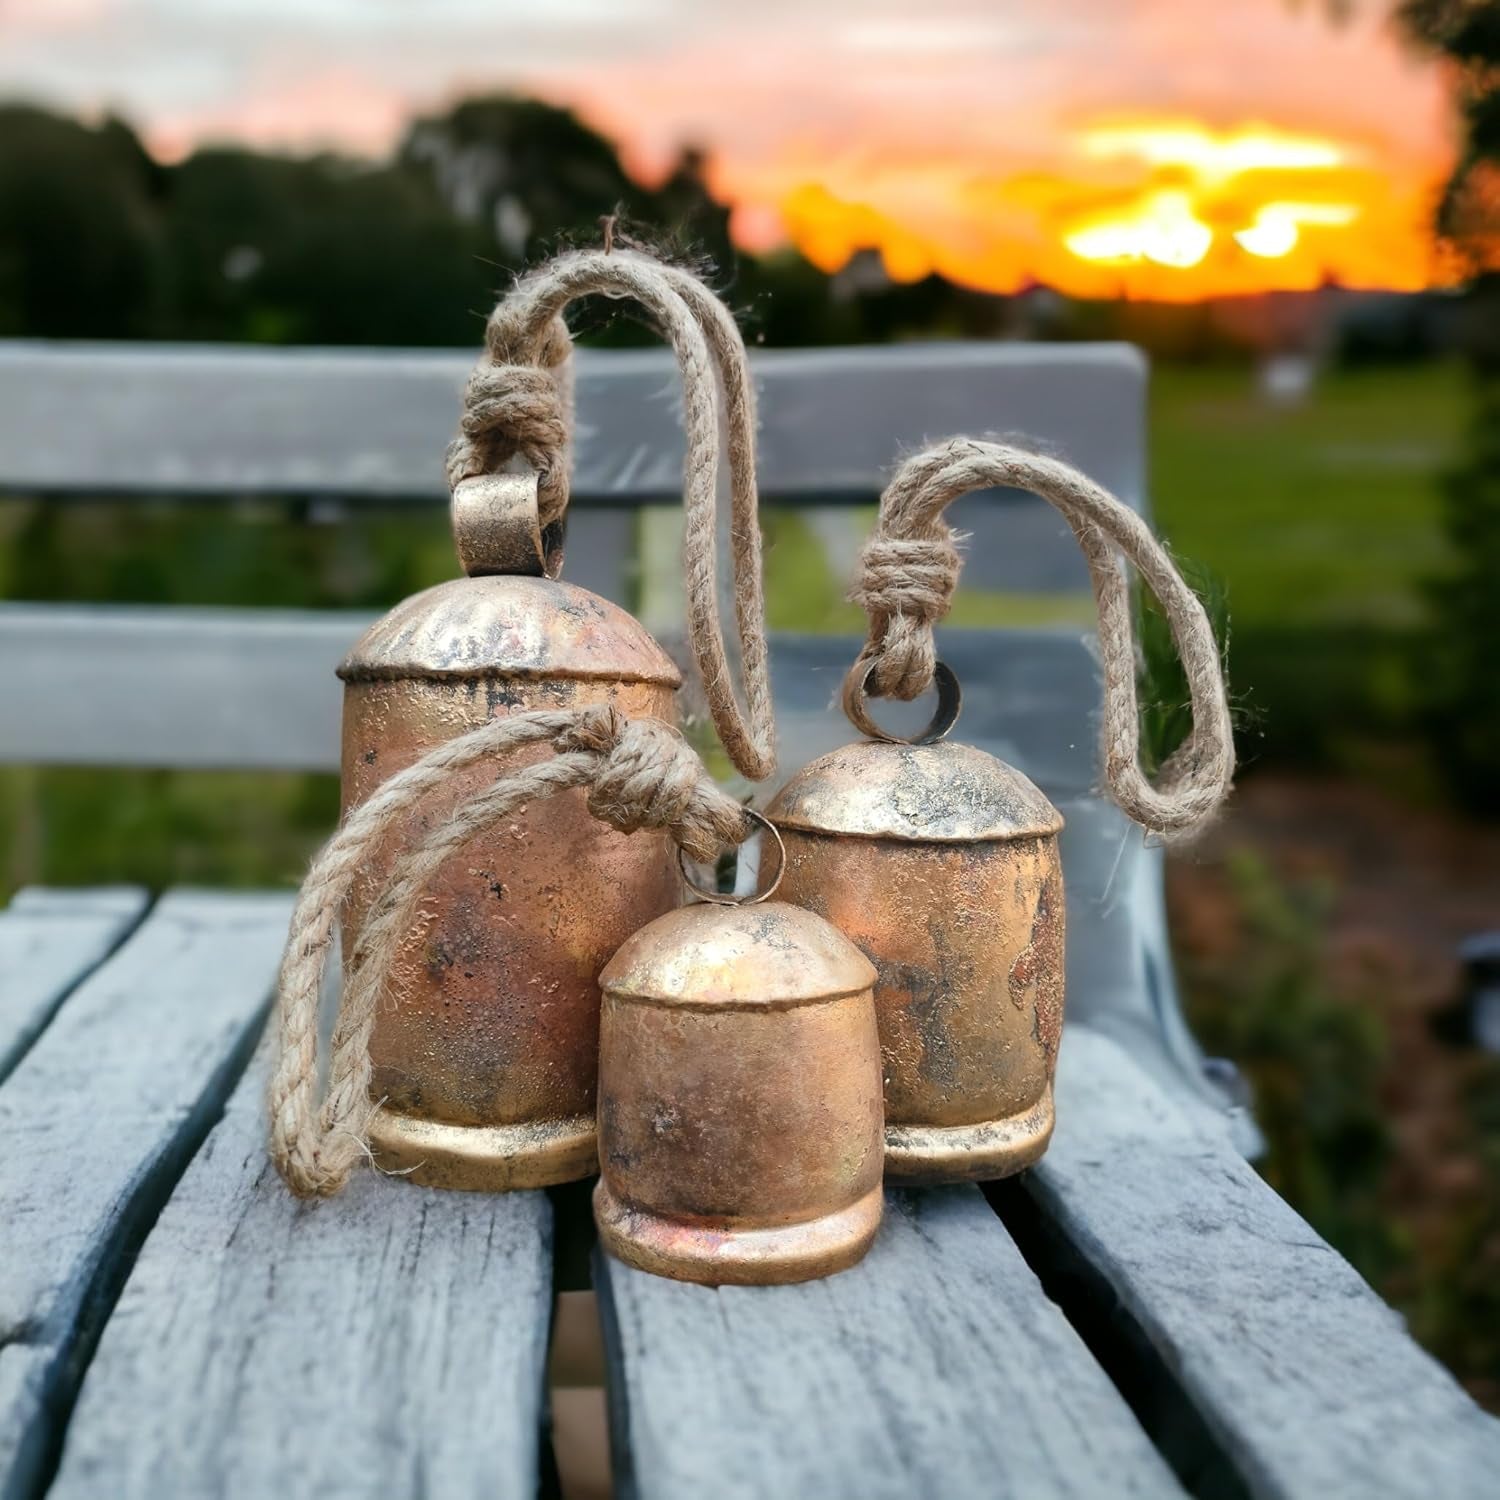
(518, 404)
(640, 773)
(909, 570)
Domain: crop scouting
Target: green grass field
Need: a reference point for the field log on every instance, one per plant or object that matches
(1323, 513)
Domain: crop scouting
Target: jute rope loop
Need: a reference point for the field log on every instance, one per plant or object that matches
(908, 572)
(519, 404)
(640, 773)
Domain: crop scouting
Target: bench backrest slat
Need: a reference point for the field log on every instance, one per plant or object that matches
(252, 688)
(207, 420)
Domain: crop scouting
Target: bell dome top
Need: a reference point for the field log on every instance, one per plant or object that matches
(766, 956)
(947, 793)
(508, 625)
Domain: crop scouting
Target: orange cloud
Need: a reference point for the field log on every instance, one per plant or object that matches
(1141, 147)
(1144, 154)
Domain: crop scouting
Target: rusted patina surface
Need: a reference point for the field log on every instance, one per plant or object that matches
(487, 1058)
(941, 864)
(739, 1097)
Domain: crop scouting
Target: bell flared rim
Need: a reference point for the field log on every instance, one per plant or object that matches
(947, 793)
(748, 1255)
(508, 625)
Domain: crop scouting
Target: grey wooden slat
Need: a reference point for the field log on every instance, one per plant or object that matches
(251, 689)
(935, 1367)
(213, 419)
(389, 1342)
(49, 940)
(121, 685)
(98, 1120)
(1305, 1381)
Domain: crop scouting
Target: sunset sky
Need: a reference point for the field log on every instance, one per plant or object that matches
(1172, 148)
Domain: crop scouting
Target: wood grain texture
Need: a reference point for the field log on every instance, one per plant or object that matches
(936, 1367)
(49, 940)
(388, 1342)
(229, 419)
(1306, 1382)
(99, 1118)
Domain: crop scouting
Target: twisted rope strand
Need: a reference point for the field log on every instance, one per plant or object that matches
(515, 407)
(298, 1136)
(641, 774)
(909, 569)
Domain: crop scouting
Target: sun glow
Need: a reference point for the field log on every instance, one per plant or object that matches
(1219, 198)
(1276, 230)
(1164, 209)
(1162, 228)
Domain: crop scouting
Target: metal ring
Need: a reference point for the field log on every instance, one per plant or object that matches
(944, 716)
(728, 898)
(496, 528)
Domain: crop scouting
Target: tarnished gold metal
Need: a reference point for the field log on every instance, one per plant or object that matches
(739, 1097)
(941, 864)
(497, 528)
(486, 1061)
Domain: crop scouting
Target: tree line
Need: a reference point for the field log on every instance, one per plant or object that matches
(98, 239)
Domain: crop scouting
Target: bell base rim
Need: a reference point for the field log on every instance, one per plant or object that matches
(931, 1155)
(778, 1255)
(485, 1158)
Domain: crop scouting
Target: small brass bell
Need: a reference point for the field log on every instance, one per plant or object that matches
(487, 1065)
(739, 1097)
(941, 864)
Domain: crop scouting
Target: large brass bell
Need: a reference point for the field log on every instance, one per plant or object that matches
(941, 864)
(487, 1064)
(739, 1097)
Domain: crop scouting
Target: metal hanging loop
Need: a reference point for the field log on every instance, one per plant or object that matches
(944, 716)
(497, 527)
(728, 898)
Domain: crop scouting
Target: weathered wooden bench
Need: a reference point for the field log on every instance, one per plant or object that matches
(1138, 1315)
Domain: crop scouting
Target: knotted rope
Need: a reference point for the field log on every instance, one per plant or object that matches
(640, 773)
(518, 404)
(909, 569)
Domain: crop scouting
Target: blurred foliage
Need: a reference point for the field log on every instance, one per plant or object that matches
(1314, 1059)
(73, 826)
(97, 240)
(1461, 696)
(78, 228)
(1322, 1071)
(1165, 704)
(1455, 1306)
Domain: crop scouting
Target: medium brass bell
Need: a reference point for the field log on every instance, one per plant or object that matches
(941, 864)
(739, 1098)
(486, 1065)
